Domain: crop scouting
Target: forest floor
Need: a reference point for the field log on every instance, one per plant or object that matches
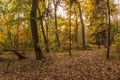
(83, 65)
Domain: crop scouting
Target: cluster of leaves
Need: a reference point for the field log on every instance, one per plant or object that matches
(117, 39)
(14, 18)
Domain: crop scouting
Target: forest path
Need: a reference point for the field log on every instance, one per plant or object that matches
(83, 65)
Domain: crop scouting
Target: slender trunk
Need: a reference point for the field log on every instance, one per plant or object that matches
(27, 35)
(47, 33)
(82, 25)
(70, 54)
(14, 39)
(9, 35)
(117, 19)
(46, 30)
(17, 36)
(16, 32)
(56, 25)
(56, 29)
(43, 32)
(34, 29)
(76, 28)
(108, 30)
(98, 41)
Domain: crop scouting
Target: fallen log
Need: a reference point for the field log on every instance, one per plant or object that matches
(17, 53)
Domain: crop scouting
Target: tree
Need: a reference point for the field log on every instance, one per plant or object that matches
(82, 25)
(76, 24)
(42, 26)
(56, 2)
(34, 29)
(108, 29)
(70, 6)
(96, 12)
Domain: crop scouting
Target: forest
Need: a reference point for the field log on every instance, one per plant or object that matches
(59, 39)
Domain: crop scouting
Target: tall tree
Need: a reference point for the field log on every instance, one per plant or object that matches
(70, 37)
(43, 32)
(117, 15)
(34, 29)
(56, 2)
(42, 27)
(108, 29)
(76, 25)
(82, 25)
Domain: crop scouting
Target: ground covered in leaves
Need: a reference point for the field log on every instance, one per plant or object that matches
(83, 65)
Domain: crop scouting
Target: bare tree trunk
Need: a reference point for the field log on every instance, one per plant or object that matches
(43, 31)
(44, 36)
(34, 29)
(47, 34)
(70, 54)
(56, 25)
(76, 28)
(82, 25)
(108, 30)
(17, 37)
(117, 18)
(99, 41)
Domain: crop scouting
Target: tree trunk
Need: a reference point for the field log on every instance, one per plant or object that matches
(34, 29)
(70, 30)
(9, 35)
(117, 19)
(17, 37)
(76, 28)
(98, 40)
(47, 34)
(108, 30)
(82, 25)
(56, 25)
(43, 32)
